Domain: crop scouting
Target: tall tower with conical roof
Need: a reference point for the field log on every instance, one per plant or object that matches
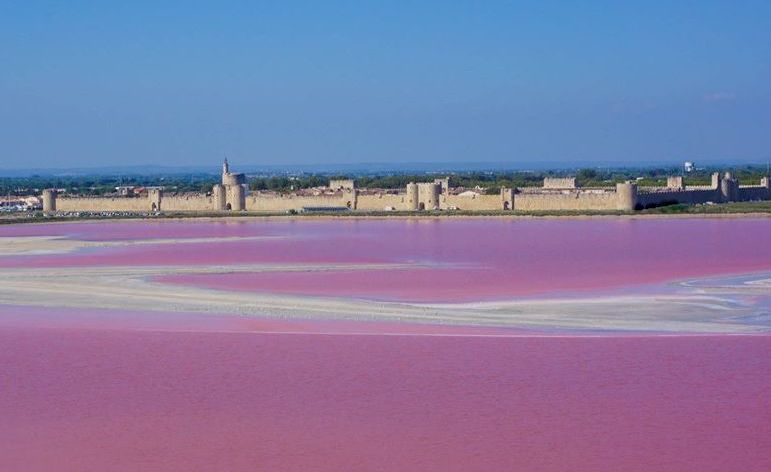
(233, 188)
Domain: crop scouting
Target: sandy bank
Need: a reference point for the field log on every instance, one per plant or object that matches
(725, 308)
(40, 245)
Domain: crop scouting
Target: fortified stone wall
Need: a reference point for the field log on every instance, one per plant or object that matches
(566, 201)
(257, 202)
(232, 195)
(188, 202)
(648, 199)
(751, 193)
(381, 201)
(475, 202)
(99, 204)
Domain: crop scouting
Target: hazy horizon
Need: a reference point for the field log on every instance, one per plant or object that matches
(358, 169)
(353, 83)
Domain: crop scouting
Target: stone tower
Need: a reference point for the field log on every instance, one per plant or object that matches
(428, 195)
(412, 196)
(218, 194)
(675, 183)
(444, 183)
(236, 197)
(233, 189)
(155, 195)
(49, 200)
(626, 194)
(728, 188)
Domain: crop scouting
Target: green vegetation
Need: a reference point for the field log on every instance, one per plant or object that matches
(103, 184)
(282, 183)
(491, 181)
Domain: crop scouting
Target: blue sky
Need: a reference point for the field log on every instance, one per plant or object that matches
(314, 82)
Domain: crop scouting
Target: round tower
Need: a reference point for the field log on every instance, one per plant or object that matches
(626, 196)
(237, 198)
(218, 195)
(728, 188)
(434, 191)
(233, 179)
(412, 196)
(428, 196)
(49, 200)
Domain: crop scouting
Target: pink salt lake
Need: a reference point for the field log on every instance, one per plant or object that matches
(459, 260)
(102, 390)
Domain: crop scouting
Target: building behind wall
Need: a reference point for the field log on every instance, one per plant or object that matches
(342, 184)
(559, 183)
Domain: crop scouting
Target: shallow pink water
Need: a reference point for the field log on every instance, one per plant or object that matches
(115, 400)
(95, 390)
(462, 260)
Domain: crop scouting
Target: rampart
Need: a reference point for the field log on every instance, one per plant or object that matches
(188, 202)
(667, 196)
(472, 202)
(287, 202)
(99, 204)
(722, 190)
(569, 200)
(382, 201)
(232, 195)
(754, 192)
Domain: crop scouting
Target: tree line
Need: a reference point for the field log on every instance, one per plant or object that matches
(490, 182)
